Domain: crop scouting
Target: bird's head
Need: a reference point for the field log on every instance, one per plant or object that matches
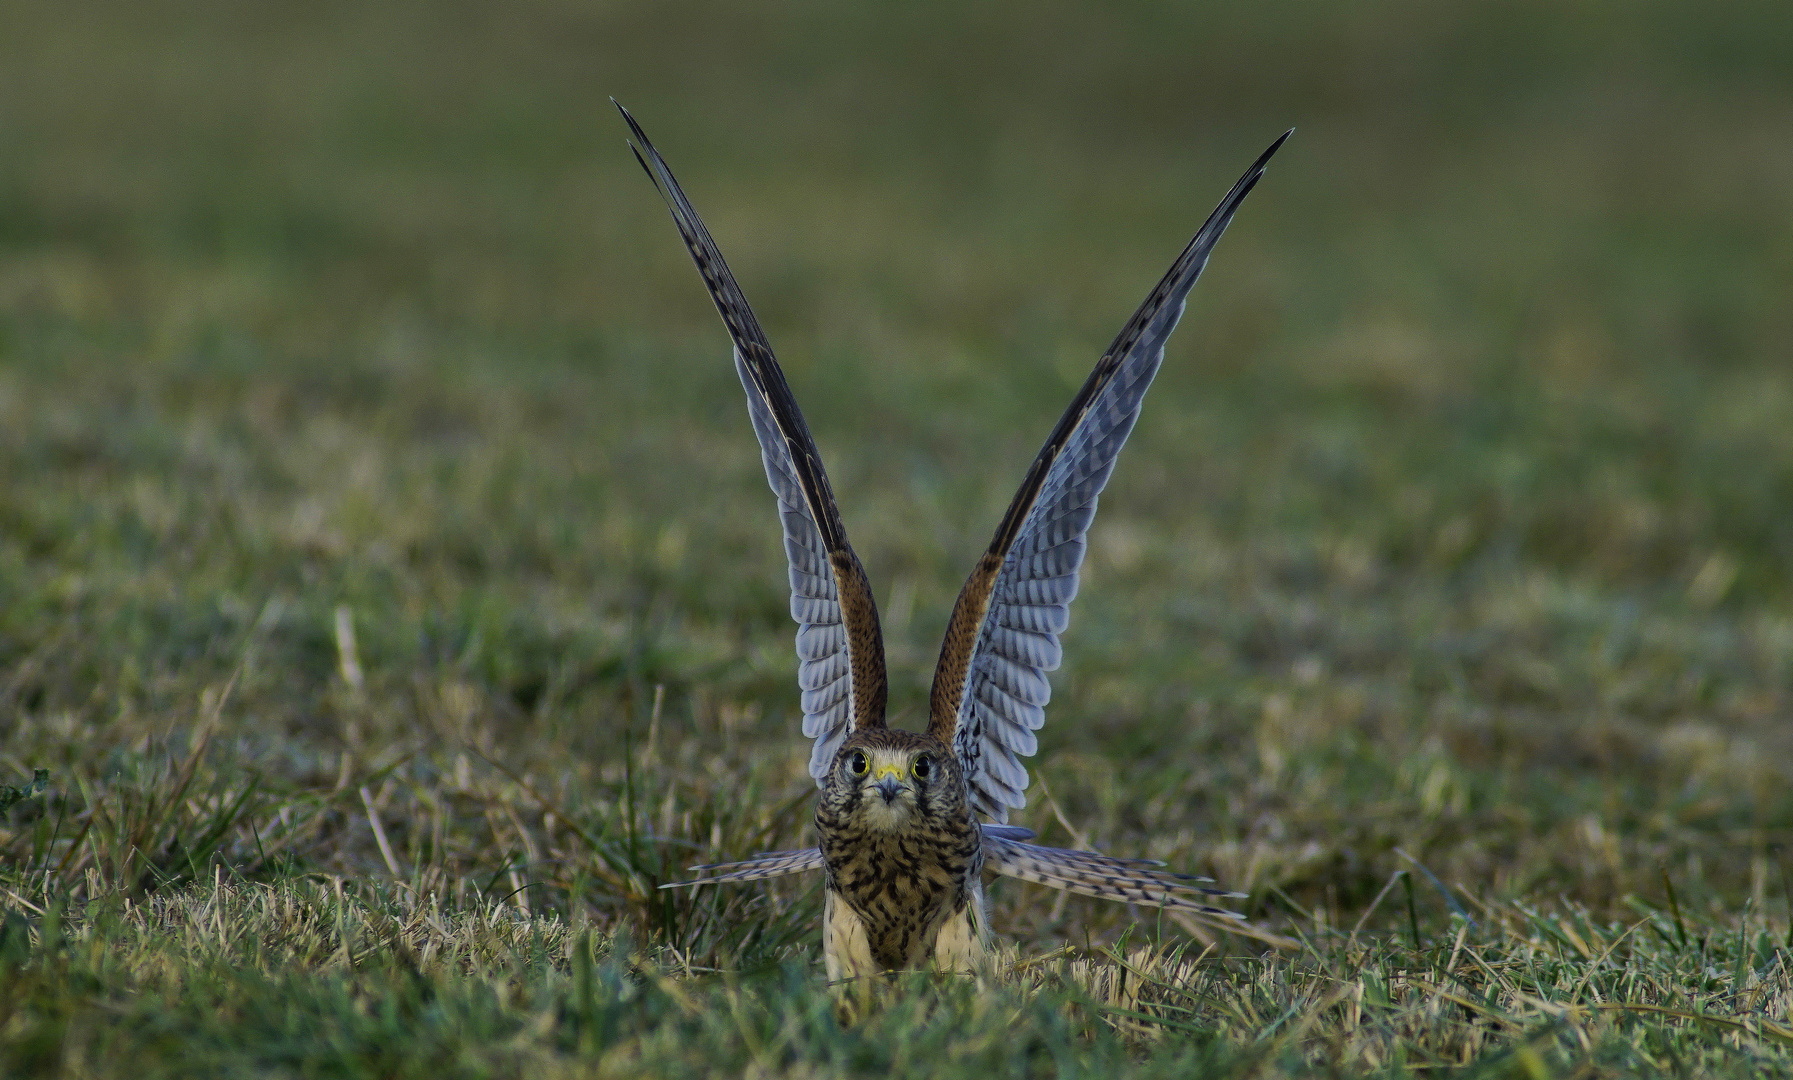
(888, 780)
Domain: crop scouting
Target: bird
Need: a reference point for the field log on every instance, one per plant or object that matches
(909, 822)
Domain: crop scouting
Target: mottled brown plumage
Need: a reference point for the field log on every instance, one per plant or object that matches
(859, 613)
(901, 850)
(956, 648)
(901, 844)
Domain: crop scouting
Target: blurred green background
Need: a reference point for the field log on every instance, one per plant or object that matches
(1457, 521)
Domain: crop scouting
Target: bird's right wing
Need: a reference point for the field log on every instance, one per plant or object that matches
(840, 649)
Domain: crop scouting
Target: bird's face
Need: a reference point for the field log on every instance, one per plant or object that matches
(892, 785)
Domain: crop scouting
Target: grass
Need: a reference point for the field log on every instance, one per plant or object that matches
(390, 599)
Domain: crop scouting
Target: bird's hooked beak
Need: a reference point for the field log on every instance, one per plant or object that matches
(889, 782)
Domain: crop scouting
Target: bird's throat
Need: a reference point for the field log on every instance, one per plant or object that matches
(879, 816)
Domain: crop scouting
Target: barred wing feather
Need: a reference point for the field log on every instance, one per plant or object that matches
(824, 672)
(840, 649)
(990, 686)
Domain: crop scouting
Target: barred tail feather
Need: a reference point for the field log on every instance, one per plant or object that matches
(770, 864)
(767, 864)
(1090, 874)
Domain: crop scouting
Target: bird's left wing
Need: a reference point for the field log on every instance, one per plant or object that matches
(990, 688)
(840, 649)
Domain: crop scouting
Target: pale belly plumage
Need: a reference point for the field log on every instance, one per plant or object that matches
(955, 942)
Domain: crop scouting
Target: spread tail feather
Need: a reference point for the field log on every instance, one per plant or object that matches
(771, 864)
(1132, 881)
(1006, 852)
(767, 864)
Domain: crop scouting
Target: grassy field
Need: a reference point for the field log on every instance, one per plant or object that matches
(391, 597)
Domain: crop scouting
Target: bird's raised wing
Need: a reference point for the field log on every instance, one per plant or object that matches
(990, 687)
(839, 646)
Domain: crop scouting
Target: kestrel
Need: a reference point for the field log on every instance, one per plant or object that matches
(907, 822)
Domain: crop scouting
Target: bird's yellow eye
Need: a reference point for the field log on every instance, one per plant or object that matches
(857, 764)
(923, 768)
